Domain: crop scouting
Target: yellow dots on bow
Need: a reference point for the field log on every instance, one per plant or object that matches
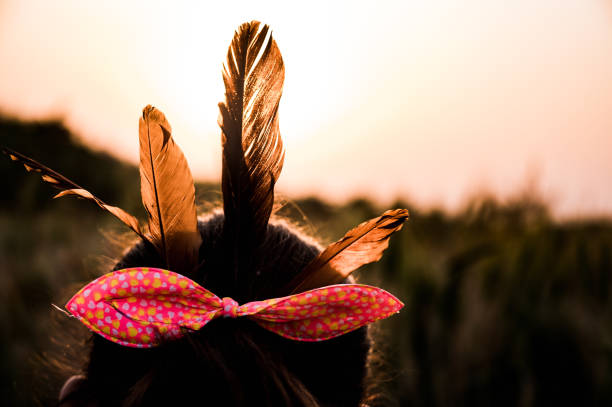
(183, 283)
(132, 273)
(157, 283)
(167, 304)
(303, 301)
(196, 326)
(324, 292)
(304, 312)
(141, 312)
(146, 281)
(145, 338)
(114, 282)
(341, 294)
(342, 315)
(132, 299)
(89, 315)
(353, 296)
(115, 324)
(123, 333)
(391, 301)
(172, 279)
(327, 320)
(106, 330)
(290, 309)
(80, 300)
(132, 331)
(344, 327)
(162, 329)
(364, 299)
(333, 326)
(97, 296)
(121, 292)
(151, 311)
(99, 314)
(133, 282)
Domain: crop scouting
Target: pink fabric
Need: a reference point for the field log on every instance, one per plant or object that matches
(139, 307)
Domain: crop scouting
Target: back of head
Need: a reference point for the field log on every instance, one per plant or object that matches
(231, 361)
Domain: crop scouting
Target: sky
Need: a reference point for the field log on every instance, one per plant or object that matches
(430, 101)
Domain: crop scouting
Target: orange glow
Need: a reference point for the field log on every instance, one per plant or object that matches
(415, 99)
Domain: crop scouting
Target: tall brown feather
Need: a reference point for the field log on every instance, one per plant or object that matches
(69, 187)
(168, 194)
(359, 246)
(252, 147)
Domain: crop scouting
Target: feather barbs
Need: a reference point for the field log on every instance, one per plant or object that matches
(69, 187)
(361, 245)
(168, 193)
(253, 153)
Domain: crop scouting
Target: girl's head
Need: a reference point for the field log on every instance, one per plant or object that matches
(231, 361)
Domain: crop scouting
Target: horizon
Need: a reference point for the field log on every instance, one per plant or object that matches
(528, 193)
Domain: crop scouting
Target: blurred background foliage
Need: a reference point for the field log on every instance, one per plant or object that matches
(504, 305)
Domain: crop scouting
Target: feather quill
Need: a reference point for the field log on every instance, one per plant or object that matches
(69, 187)
(362, 245)
(168, 194)
(252, 147)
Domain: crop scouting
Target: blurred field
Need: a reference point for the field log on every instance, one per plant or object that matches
(504, 306)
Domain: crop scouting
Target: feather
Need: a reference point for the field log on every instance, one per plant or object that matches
(359, 246)
(252, 147)
(69, 187)
(168, 194)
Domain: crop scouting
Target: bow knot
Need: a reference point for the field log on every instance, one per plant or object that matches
(229, 308)
(315, 315)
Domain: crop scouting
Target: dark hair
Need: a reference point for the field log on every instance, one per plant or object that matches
(230, 361)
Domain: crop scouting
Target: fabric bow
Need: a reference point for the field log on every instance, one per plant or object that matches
(139, 307)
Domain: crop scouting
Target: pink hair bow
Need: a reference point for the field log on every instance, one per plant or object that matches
(141, 306)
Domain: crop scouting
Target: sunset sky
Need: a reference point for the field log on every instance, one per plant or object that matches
(432, 101)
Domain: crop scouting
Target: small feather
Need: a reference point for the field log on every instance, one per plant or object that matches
(168, 193)
(119, 213)
(69, 187)
(359, 246)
